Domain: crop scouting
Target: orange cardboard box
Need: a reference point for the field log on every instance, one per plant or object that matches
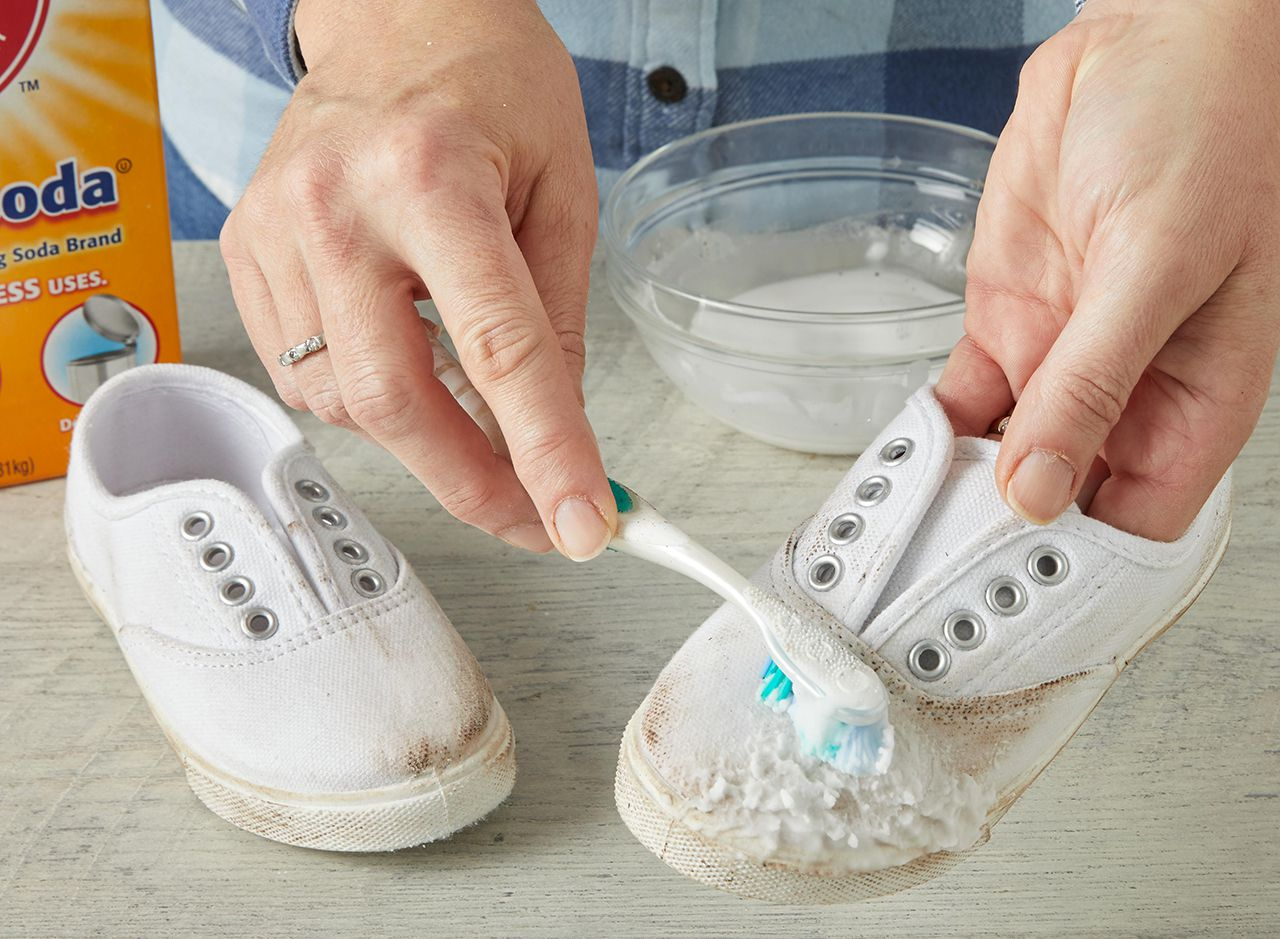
(86, 272)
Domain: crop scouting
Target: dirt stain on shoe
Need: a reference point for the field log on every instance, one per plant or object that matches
(659, 717)
(423, 754)
(419, 757)
(475, 719)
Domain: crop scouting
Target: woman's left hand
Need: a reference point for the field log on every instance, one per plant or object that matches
(1124, 281)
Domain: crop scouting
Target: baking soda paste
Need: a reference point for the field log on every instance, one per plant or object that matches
(871, 289)
(867, 289)
(837, 383)
(784, 803)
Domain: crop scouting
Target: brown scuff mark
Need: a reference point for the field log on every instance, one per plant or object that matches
(650, 732)
(472, 724)
(419, 757)
(375, 631)
(475, 719)
(978, 731)
(655, 714)
(1011, 711)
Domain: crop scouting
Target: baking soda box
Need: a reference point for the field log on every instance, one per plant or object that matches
(86, 276)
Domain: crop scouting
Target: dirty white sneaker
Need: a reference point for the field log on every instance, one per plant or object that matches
(994, 637)
(313, 689)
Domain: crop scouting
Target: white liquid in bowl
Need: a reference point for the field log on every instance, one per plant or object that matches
(800, 276)
(869, 289)
(861, 373)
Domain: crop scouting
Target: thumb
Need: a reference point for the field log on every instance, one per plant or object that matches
(1128, 308)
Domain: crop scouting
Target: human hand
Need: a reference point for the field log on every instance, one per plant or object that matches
(436, 148)
(1124, 280)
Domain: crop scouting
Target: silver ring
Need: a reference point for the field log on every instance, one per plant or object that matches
(302, 350)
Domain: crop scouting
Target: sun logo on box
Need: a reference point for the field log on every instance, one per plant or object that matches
(95, 84)
(20, 24)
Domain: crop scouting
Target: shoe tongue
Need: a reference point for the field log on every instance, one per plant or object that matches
(887, 521)
(942, 502)
(966, 505)
(966, 513)
(289, 519)
(310, 541)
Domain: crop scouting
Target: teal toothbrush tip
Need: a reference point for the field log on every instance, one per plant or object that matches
(775, 687)
(857, 750)
(621, 497)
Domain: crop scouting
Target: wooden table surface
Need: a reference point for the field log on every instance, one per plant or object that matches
(1160, 818)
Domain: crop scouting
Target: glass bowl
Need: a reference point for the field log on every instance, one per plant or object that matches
(799, 276)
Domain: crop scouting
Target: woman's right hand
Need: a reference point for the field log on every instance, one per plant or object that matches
(435, 149)
(1122, 296)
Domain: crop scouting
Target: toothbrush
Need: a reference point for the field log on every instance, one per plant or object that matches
(450, 374)
(842, 718)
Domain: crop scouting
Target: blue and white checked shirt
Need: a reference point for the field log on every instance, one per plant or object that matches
(226, 68)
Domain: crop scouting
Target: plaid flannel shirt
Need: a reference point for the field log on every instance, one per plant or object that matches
(651, 71)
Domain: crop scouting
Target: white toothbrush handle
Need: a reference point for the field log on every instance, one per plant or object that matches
(643, 532)
(448, 370)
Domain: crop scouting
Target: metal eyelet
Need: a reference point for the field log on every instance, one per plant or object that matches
(825, 571)
(1047, 566)
(1006, 596)
(350, 551)
(368, 583)
(329, 517)
(236, 591)
(216, 557)
(964, 630)
(845, 529)
(872, 490)
(897, 451)
(259, 624)
(928, 660)
(311, 490)
(196, 525)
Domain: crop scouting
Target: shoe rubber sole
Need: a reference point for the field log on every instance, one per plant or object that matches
(428, 807)
(651, 810)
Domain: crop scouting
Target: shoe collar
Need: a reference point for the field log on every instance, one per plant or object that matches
(252, 469)
(920, 515)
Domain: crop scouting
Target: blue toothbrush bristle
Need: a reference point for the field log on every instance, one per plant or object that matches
(859, 750)
(775, 687)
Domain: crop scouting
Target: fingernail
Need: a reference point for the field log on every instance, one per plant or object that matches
(581, 528)
(531, 537)
(1040, 488)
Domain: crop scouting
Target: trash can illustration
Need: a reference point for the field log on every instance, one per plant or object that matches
(113, 319)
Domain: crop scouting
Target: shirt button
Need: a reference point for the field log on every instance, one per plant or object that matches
(667, 84)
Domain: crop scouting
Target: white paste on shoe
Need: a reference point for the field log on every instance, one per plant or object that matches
(728, 796)
(783, 802)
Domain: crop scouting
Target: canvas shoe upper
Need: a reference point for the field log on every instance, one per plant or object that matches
(313, 688)
(994, 637)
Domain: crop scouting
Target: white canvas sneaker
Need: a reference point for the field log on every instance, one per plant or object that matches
(995, 639)
(311, 686)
